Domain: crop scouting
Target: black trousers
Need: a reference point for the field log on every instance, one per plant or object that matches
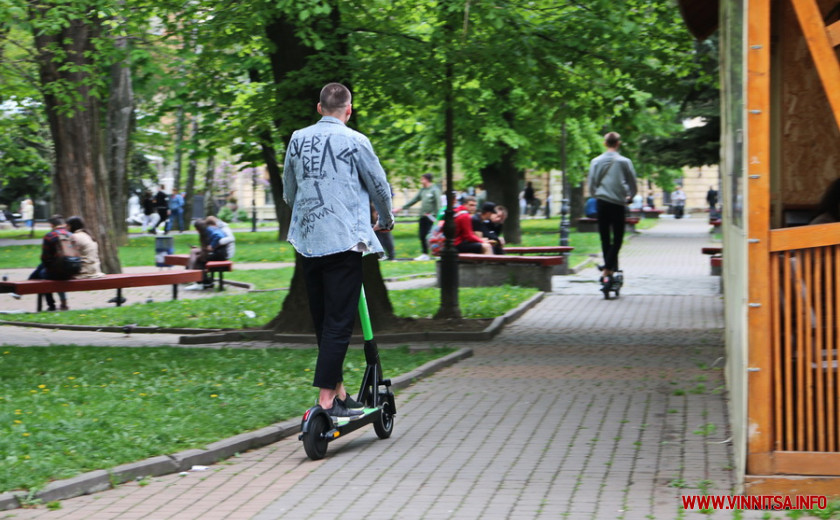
(40, 273)
(611, 228)
(333, 283)
(425, 225)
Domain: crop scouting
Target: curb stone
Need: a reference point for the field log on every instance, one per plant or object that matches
(83, 484)
(151, 467)
(93, 328)
(100, 480)
(10, 500)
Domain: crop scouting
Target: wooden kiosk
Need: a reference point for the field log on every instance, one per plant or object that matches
(780, 149)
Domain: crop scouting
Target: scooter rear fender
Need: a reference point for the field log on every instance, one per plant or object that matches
(309, 415)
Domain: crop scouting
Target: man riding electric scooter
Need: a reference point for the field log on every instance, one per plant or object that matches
(330, 177)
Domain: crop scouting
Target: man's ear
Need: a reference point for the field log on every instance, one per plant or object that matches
(320, 110)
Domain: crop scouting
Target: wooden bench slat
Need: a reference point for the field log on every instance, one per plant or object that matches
(627, 220)
(511, 259)
(539, 250)
(212, 265)
(111, 281)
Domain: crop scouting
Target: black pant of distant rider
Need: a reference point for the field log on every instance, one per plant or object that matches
(611, 229)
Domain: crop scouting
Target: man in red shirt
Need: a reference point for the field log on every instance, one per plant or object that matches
(466, 241)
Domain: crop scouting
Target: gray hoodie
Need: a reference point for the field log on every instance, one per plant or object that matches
(612, 178)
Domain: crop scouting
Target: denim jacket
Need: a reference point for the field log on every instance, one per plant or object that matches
(330, 177)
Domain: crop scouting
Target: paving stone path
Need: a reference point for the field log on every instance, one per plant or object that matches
(582, 409)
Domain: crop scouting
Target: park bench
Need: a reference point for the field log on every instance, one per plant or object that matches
(716, 259)
(646, 213)
(476, 270)
(590, 225)
(559, 270)
(109, 281)
(213, 266)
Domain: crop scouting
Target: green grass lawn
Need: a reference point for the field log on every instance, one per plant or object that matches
(65, 410)
(232, 311)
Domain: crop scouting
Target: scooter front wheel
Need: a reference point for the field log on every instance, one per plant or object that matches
(314, 442)
(385, 424)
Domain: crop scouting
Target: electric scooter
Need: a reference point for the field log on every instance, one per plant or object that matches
(612, 284)
(318, 428)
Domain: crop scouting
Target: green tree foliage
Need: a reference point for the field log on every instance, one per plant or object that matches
(25, 152)
(696, 144)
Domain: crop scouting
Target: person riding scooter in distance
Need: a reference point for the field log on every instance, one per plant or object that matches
(612, 181)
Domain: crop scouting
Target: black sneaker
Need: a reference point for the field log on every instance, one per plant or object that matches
(340, 411)
(353, 404)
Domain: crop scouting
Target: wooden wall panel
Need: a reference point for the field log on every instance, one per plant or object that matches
(810, 139)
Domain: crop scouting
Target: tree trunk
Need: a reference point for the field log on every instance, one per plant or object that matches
(81, 177)
(576, 203)
(290, 54)
(118, 124)
(209, 194)
(294, 316)
(501, 180)
(192, 170)
(179, 151)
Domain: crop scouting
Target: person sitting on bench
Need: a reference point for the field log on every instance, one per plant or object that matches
(210, 238)
(466, 241)
(48, 269)
(88, 249)
(483, 226)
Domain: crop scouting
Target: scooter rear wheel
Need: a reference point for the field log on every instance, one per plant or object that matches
(314, 442)
(385, 424)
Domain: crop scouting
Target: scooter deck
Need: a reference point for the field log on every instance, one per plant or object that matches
(341, 421)
(343, 426)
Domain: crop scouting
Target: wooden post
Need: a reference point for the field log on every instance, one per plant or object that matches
(759, 355)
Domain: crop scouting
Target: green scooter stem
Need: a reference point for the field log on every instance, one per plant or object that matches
(364, 317)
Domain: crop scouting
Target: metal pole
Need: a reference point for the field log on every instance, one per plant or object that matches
(564, 203)
(449, 256)
(253, 200)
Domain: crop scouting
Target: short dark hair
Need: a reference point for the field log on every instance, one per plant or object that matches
(75, 223)
(612, 139)
(488, 207)
(56, 220)
(334, 96)
(427, 176)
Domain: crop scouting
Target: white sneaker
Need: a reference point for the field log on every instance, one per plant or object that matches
(423, 258)
(194, 287)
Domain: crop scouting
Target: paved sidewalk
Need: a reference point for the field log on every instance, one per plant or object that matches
(583, 409)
